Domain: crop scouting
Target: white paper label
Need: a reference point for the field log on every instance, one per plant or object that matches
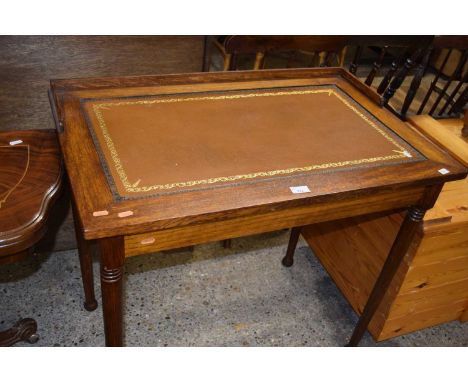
(12, 143)
(299, 189)
(444, 171)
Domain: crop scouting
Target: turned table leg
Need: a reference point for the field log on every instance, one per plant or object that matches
(288, 259)
(112, 262)
(23, 330)
(86, 264)
(396, 255)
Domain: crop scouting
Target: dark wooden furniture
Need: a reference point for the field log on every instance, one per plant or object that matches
(28, 63)
(159, 162)
(396, 58)
(390, 58)
(321, 50)
(30, 181)
(448, 93)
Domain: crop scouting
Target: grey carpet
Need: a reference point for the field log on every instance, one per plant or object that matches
(211, 297)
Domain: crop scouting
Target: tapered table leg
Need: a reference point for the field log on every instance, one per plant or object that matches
(86, 264)
(288, 259)
(112, 261)
(397, 253)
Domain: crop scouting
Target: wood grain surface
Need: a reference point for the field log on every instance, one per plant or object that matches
(30, 180)
(121, 225)
(92, 192)
(431, 284)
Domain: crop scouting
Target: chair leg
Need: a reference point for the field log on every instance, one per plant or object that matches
(260, 56)
(227, 243)
(288, 259)
(227, 62)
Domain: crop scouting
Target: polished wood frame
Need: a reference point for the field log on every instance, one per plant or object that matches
(26, 207)
(200, 216)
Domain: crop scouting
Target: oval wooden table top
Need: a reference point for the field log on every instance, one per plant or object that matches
(30, 179)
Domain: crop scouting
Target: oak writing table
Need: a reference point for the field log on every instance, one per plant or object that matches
(160, 162)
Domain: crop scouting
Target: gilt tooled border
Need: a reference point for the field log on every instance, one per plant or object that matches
(330, 89)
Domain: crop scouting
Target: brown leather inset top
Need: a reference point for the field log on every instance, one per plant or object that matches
(171, 143)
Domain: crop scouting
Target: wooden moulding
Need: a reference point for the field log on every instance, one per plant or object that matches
(93, 193)
(242, 226)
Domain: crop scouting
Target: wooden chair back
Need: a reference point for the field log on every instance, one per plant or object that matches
(323, 50)
(449, 87)
(404, 52)
(392, 60)
(396, 57)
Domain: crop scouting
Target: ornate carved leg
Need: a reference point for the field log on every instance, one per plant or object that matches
(86, 264)
(288, 259)
(397, 253)
(23, 330)
(112, 261)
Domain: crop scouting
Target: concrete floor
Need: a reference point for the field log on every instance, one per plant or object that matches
(210, 297)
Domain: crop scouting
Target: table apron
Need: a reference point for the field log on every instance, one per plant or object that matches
(187, 235)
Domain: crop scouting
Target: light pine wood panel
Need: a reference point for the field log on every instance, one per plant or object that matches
(442, 135)
(353, 252)
(434, 274)
(426, 298)
(451, 206)
(464, 316)
(442, 242)
(423, 319)
(432, 288)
